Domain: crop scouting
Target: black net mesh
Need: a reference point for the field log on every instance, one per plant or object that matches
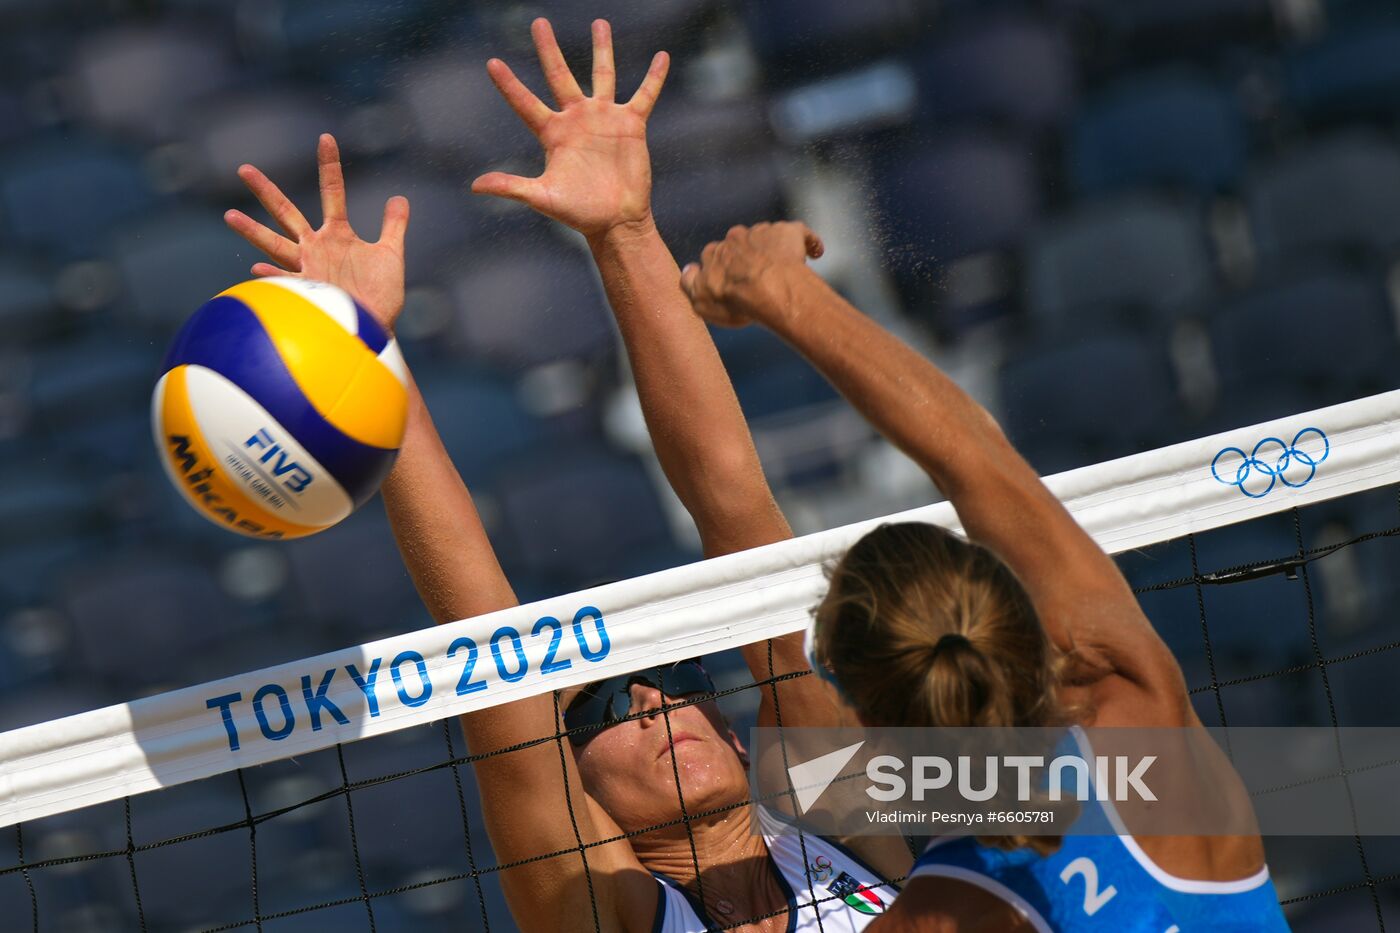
(1281, 620)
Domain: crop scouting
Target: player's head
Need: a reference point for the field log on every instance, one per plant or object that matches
(629, 765)
(923, 628)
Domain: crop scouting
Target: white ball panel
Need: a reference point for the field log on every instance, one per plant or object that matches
(392, 357)
(272, 468)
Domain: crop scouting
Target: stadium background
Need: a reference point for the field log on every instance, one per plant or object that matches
(1120, 223)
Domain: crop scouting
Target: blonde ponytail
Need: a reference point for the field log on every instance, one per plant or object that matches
(923, 628)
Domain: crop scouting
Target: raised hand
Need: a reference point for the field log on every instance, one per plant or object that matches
(334, 253)
(743, 276)
(597, 172)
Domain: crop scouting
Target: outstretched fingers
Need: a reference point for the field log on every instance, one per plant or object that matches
(278, 248)
(395, 224)
(604, 71)
(645, 99)
(531, 110)
(267, 268)
(556, 71)
(515, 187)
(332, 180)
(275, 202)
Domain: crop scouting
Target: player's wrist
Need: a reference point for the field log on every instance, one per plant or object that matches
(625, 232)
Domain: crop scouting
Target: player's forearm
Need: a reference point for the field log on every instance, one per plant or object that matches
(908, 399)
(438, 530)
(696, 424)
(999, 498)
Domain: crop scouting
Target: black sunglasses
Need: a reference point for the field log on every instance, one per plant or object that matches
(607, 701)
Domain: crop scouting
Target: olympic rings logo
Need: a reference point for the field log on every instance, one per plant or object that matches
(1272, 462)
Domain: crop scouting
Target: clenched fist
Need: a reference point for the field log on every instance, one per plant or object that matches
(747, 274)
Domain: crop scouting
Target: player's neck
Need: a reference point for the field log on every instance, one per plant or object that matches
(725, 845)
(739, 879)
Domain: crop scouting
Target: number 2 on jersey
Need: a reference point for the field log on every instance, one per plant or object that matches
(1094, 899)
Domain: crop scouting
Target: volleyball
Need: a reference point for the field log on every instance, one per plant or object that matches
(280, 407)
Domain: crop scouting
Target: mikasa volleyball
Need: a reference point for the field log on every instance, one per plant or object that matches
(280, 407)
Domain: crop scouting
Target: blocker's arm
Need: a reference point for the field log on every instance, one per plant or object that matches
(526, 794)
(760, 274)
(597, 180)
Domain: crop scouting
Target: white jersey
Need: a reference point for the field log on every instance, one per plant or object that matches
(849, 894)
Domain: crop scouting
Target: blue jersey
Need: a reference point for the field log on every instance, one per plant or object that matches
(1099, 882)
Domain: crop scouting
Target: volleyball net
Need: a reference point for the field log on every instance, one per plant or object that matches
(337, 791)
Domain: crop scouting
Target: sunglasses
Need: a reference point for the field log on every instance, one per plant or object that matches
(607, 701)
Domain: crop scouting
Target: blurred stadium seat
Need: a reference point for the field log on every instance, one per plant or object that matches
(55, 702)
(65, 194)
(320, 34)
(85, 893)
(1350, 72)
(696, 204)
(575, 526)
(458, 116)
(1169, 129)
(98, 378)
(39, 50)
(1149, 28)
(1257, 625)
(686, 130)
(1138, 258)
(51, 513)
(142, 81)
(1338, 196)
(1377, 569)
(274, 127)
(171, 263)
(832, 36)
(964, 75)
(509, 315)
(350, 580)
(45, 500)
(769, 377)
(1071, 403)
(1367, 690)
(1329, 335)
(14, 124)
(26, 301)
(1342, 12)
(415, 824)
(479, 418)
(804, 430)
(964, 194)
(198, 865)
(137, 611)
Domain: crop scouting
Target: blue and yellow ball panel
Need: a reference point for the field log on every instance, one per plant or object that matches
(280, 408)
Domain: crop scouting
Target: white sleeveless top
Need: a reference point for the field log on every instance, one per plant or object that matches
(849, 894)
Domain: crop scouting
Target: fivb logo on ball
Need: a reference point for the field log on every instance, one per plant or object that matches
(280, 407)
(272, 455)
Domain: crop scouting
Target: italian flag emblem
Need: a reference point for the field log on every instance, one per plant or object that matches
(857, 897)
